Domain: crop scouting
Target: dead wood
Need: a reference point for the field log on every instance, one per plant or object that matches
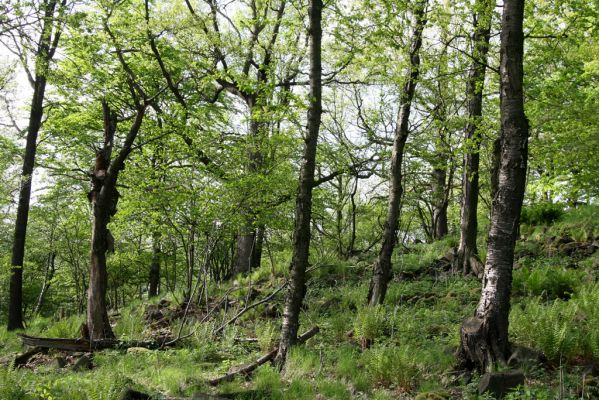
(22, 359)
(249, 368)
(221, 328)
(85, 345)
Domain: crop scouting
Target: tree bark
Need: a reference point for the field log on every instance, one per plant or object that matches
(258, 245)
(48, 275)
(47, 43)
(154, 277)
(440, 228)
(244, 248)
(303, 204)
(382, 267)
(103, 198)
(484, 338)
(248, 253)
(467, 257)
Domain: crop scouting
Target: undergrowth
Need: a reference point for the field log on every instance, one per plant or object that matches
(401, 349)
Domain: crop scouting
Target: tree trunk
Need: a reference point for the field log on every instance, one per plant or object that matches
(44, 54)
(248, 247)
(190, 257)
(48, 275)
(382, 267)
(339, 218)
(352, 238)
(258, 245)
(484, 338)
(103, 198)
(154, 277)
(440, 203)
(303, 204)
(467, 259)
(244, 248)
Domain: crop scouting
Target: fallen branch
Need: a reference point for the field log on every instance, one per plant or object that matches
(85, 345)
(216, 307)
(247, 369)
(221, 328)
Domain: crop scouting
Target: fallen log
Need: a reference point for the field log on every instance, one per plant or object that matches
(249, 368)
(85, 345)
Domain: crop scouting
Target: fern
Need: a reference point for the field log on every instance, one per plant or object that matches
(370, 323)
(587, 301)
(393, 365)
(10, 384)
(550, 328)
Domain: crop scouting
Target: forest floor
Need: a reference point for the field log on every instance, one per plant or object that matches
(402, 350)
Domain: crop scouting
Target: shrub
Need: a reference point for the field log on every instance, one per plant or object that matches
(541, 214)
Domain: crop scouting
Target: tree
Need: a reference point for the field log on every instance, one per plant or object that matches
(245, 67)
(484, 338)
(467, 258)
(382, 267)
(303, 202)
(103, 199)
(50, 30)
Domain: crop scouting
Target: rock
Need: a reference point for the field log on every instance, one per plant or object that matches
(330, 304)
(83, 363)
(591, 370)
(523, 355)
(164, 303)
(585, 250)
(130, 394)
(137, 350)
(60, 362)
(500, 383)
(569, 248)
(451, 254)
(442, 264)
(271, 311)
(563, 240)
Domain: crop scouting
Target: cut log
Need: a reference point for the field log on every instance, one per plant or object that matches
(249, 368)
(85, 345)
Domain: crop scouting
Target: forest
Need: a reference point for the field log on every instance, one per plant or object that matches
(299, 199)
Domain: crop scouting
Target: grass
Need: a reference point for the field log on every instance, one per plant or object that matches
(410, 339)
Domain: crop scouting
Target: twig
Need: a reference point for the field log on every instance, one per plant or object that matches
(220, 329)
(249, 368)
